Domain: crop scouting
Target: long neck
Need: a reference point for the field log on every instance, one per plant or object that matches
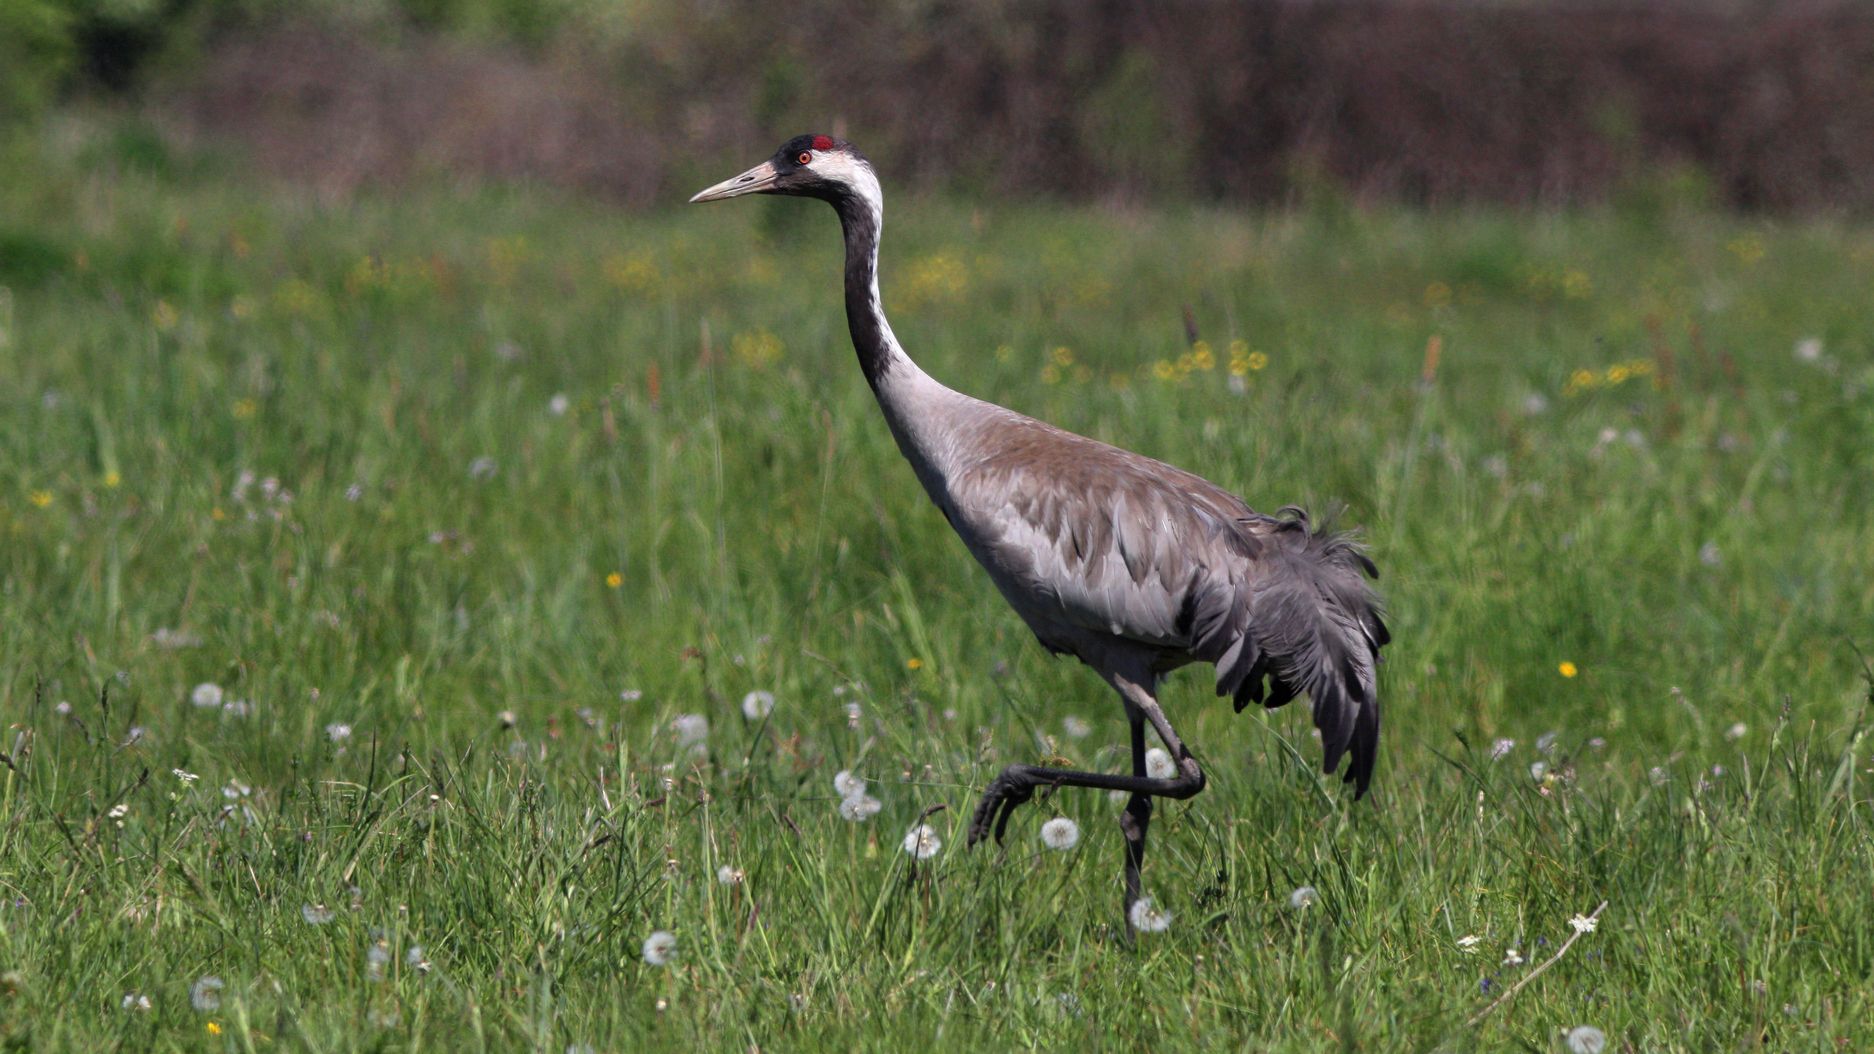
(861, 215)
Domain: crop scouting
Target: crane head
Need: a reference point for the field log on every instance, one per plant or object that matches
(814, 166)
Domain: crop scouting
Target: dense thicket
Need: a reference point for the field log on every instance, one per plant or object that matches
(1759, 106)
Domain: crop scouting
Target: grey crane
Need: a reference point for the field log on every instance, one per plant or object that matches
(1128, 564)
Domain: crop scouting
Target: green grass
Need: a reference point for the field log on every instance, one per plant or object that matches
(1695, 539)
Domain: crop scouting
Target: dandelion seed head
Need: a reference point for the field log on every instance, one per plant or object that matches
(757, 705)
(205, 993)
(1302, 897)
(1710, 555)
(316, 914)
(660, 947)
(1158, 764)
(1737, 731)
(922, 842)
(630, 695)
(559, 404)
(416, 959)
(1585, 1039)
(1545, 742)
(1060, 834)
(730, 876)
(338, 731)
(691, 729)
(206, 695)
(859, 808)
(1809, 349)
(848, 785)
(1147, 917)
(1076, 727)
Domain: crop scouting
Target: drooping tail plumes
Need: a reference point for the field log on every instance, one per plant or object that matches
(1313, 626)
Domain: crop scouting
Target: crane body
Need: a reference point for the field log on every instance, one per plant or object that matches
(1131, 565)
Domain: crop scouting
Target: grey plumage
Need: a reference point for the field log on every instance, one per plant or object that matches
(1131, 565)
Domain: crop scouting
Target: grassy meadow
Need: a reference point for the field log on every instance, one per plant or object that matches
(386, 585)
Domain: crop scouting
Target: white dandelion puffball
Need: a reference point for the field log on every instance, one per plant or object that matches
(691, 729)
(1585, 1039)
(922, 841)
(205, 994)
(338, 731)
(859, 808)
(1148, 917)
(559, 404)
(847, 784)
(316, 914)
(1076, 727)
(730, 876)
(206, 695)
(660, 947)
(757, 705)
(1158, 764)
(1737, 731)
(1302, 897)
(1060, 834)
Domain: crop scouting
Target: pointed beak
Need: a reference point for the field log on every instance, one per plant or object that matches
(753, 181)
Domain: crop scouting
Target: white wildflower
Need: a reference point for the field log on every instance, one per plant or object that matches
(205, 994)
(185, 776)
(1469, 942)
(62, 708)
(1585, 1039)
(1736, 731)
(1501, 749)
(859, 808)
(206, 696)
(730, 876)
(355, 492)
(559, 404)
(1060, 834)
(757, 705)
(847, 784)
(922, 841)
(660, 947)
(1658, 775)
(1148, 917)
(1302, 897)
(316, 914)
(1582, 924)
(135, 1001)
(631, 695)
(338, 731)
(1158, 764)
(1512, 957)
(119, 811)
(1076, 727)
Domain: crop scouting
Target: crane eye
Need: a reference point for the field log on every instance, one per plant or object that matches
(805, 158)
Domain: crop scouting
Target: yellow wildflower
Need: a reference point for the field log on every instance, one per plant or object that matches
(40, 498)
(112, 479)
(614, 580)
(914, 664)
(1062, 356)
(1567, 669)
(1257, 360)
(214, 1029)
(245, 408)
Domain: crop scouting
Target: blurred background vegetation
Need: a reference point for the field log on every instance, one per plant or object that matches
(1757, 106)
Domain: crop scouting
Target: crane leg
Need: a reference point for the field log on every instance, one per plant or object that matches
(1018, 783)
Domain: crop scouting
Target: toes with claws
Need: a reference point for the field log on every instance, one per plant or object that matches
(999, 800)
